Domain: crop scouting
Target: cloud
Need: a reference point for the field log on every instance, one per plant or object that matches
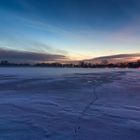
(119, 56)
(116, 58)
(29, 57)
(12, 42)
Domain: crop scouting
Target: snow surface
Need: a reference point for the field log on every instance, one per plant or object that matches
(69, 104)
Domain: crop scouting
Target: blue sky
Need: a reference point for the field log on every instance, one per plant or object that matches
(77, 29)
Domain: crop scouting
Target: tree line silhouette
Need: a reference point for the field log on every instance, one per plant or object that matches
(82, 64)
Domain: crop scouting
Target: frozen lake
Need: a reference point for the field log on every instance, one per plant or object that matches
(69, 104)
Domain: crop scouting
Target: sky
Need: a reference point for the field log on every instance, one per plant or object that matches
(69, 29)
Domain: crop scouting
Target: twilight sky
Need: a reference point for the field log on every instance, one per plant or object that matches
(75, 29)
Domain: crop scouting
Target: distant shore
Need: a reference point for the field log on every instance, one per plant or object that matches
(82, 64)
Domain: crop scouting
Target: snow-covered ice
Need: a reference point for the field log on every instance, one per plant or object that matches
(69, 104)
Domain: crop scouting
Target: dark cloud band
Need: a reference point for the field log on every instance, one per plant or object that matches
(32, 57)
